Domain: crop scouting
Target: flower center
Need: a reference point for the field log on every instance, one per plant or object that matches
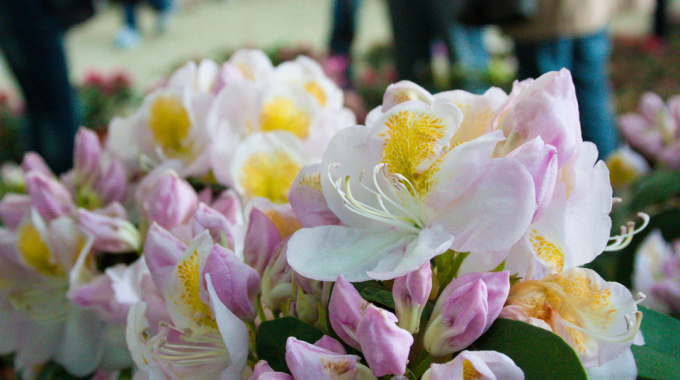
(269, 175)
(281, 114)
(35, 252)
(170, 125)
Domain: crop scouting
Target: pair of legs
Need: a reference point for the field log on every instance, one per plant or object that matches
(587, 57)
(129, 35)
(416, 24)
(31, 40)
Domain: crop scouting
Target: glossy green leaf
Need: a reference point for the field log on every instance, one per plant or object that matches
(538, 352)
(272, 337)
(656, 187)
(659, 358)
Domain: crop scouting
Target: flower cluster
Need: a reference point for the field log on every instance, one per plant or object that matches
(655, 130)
(337, 251)
(657, 273)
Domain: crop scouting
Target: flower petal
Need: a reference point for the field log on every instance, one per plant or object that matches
(322, 253)
(494, 212)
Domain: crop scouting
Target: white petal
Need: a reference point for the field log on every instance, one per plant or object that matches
(234, 333)
(621, 368)
(82, 347)
(431, 241)
(322, 253)
(494, 212)
(461, 166)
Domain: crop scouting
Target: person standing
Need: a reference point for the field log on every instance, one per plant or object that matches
(573, 34)
(31, 40)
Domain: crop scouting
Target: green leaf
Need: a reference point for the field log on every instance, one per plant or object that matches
(272, 337)
(656, 187)
(538, 352)
(659, 358)
(379, 296)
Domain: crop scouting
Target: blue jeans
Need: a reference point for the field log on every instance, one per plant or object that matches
(344, 25)
(130, 10)
(587, 58)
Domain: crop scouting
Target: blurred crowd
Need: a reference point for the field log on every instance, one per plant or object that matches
(548, 35)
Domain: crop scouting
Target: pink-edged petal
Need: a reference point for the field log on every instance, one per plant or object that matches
(234, 333)
(460, 167)
(404, 91)
(162, 252)
(306, 198)
(478, 111)
(540, 160)
(494, 212)
(13, 208)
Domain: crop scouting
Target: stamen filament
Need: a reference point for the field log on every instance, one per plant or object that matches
(631, 330)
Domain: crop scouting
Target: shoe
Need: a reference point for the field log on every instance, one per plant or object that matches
(127, 38)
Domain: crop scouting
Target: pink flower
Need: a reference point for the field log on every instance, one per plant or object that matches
(169, 200)
(87, 154)
(466, 308)
(49, 196)
(263, 371)
(33, 162)
(489, 365)
(309, 362)
(385, 345)
(111, 234)
(345, 310)
(237, 284)
(410, 293)
(13, 209)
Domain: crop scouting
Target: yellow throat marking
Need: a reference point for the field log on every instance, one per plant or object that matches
(547, 251)
(170, 125)
(35, 252)
(269, 175)
(411, 141)
(188, 273)
(281, 114)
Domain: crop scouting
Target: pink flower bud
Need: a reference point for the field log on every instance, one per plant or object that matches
(308, 362)
(229, 205)
(34, 162)
(216, 223)
(385, 345)
(111, 234)
(112, 181)
(13, 208)
(263, 371)
(410, 293)
(236, 284)
(277, 287)
(162, 252)
(87, 154)
(465, 310)
(331, 344)
(262, 237)
(49, 196)
(345, 310)
(171, 201)
(476, 365)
